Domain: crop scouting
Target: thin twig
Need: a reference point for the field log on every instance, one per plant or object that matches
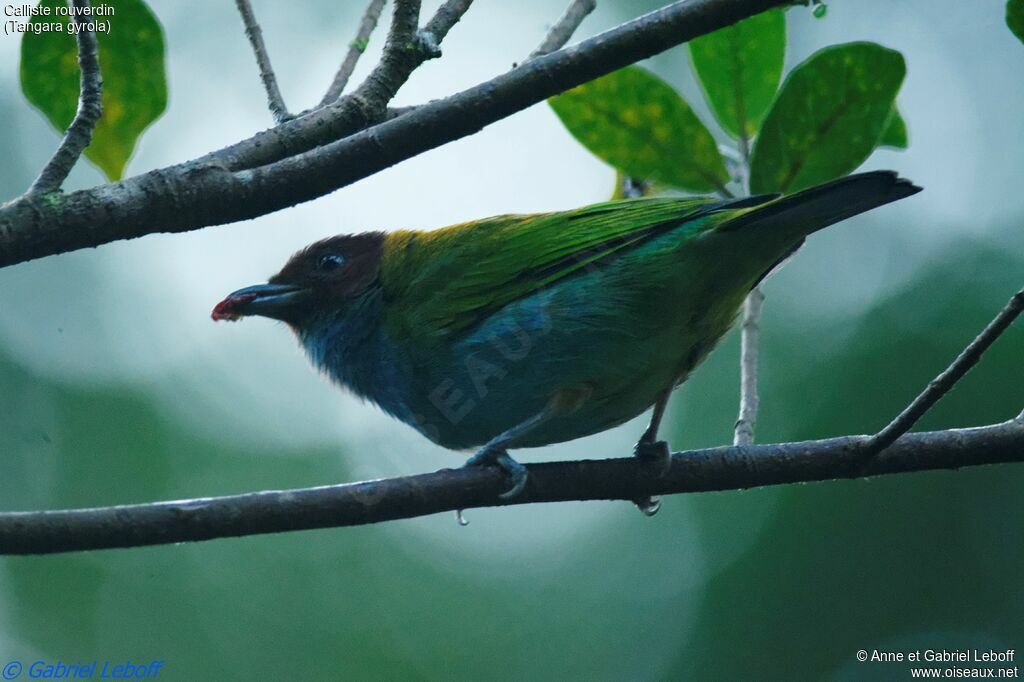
(749, 399)
(355, 51)
(445, 18)
(566, 25)
(940, 385)
(628, 478)
(744, 165)
(750, 331)
(405, 49)
(744, 144)
(255, 35)
(90, 108)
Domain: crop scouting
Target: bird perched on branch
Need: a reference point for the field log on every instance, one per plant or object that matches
(525, 330)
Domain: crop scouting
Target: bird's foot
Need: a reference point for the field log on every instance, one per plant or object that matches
(656, 452)
(651, 449)
(493, 456)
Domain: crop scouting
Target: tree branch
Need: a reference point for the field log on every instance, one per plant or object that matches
(749, 399)
(723, 468)
(940, 385)
(198, 194)
(90, 108)
(255, 35)
(447, 15)
(563, 29)
(355, 51)
(311, 129)
(404, 51)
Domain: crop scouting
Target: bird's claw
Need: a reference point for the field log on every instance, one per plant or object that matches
(516, 471)
(657, 453)
(518, 474)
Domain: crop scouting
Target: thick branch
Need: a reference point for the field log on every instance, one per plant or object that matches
(255, 35)
(355, 51)
(90, 108)
(749, 399)
(566, 25)
(940, 385)
(724, 468)
(193, 195)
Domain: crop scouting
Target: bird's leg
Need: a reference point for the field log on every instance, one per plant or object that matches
(495, 452)
(652, 449)
(649, 447)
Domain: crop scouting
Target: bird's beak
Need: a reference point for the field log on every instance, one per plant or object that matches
(268, 300)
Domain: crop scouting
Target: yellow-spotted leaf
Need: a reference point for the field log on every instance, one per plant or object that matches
(828, 117)
(740, 67)
(131, 64)
(637, 123)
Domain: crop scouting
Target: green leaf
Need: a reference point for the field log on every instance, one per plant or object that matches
(1015, 17)
(895, 134)
(828, 118)
(636, 122)
(132, 66)
(739, 68)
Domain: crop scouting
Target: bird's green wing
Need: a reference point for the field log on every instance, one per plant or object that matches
(447, 280)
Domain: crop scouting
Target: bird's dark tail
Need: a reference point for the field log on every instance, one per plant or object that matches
(798, 215)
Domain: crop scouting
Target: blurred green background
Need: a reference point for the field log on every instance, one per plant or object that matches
(115, 387)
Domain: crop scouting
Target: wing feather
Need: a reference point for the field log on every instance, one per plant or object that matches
(504, 258)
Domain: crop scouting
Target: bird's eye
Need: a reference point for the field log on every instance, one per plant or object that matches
(330, 263)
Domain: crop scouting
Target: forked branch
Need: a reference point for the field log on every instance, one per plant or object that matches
(355, 51)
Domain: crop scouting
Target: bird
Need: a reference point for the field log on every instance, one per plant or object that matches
(519, 331)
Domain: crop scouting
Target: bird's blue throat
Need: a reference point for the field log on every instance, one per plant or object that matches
(353, 349)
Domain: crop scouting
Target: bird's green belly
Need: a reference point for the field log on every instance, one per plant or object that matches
(604, 345)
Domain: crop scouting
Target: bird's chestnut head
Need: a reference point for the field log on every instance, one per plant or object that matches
(321, 278)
